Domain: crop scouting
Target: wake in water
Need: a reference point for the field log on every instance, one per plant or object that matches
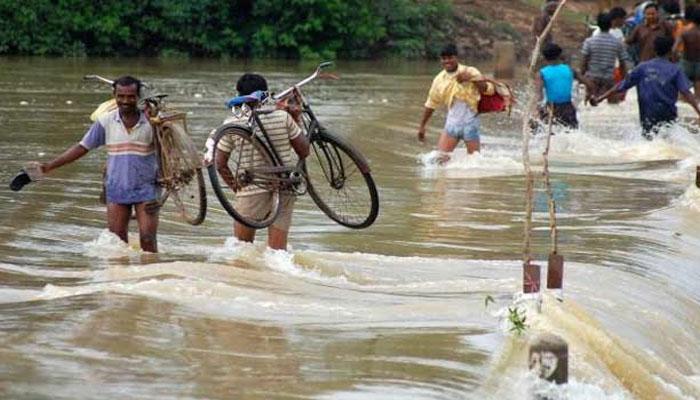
(608, 143)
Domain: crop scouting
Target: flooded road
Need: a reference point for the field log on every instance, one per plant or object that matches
(396, 311)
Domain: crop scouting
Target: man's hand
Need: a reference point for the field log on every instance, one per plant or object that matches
(464, 76)
(421, 134)
(292, 106)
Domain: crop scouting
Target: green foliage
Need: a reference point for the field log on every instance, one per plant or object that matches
(517, 319)
(232, 28)
(487, 300)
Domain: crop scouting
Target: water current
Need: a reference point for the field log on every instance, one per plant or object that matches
(395, 311)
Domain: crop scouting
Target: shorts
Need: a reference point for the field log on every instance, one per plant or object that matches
(258, 205)
(691, 69)
(462, 122)
(564, 114)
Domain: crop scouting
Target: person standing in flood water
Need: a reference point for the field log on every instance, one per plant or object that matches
(459, 88)
(658, 82)
(132, 167)
(644, 34)
(540, 22)
(282, 127)
(555, 82)
(601, 52)
(688, 44)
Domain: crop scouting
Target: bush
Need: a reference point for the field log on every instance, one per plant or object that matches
(235, 28)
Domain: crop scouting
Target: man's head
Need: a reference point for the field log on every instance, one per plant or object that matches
(551, 52)
(617, 17)
(604, 22)
(551, 6)
(448, 58)
(127, 91)
(695, 16)
(663, 45)
(672, 8)
(249, 83)
(651, 14)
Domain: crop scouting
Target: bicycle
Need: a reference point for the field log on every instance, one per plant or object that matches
(336, 175)
(179, 162)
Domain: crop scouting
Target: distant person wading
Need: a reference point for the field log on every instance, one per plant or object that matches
(459, 88)
(658, 82)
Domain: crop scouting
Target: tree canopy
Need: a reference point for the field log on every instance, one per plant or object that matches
(235, 28)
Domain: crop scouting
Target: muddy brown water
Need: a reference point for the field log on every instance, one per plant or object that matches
(395, 311)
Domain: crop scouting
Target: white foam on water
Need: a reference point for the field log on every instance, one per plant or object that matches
(490, 163)
(109, 246)
(690, 199)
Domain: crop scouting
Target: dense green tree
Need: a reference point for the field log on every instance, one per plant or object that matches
(238, 28)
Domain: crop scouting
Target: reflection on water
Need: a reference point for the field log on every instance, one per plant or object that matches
(393, 311)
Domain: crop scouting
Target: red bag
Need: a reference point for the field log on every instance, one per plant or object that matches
(501, 100)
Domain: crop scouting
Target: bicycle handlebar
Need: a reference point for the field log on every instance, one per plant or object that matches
(304, 81)
(107, 81)
(98, 78)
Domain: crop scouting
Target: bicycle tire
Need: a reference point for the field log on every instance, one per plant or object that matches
(331, 169)
(244, 148)
(181, 169)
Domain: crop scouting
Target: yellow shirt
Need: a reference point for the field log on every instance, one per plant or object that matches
(445, 89)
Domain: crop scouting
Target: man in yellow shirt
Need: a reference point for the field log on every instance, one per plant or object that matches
(459, 88)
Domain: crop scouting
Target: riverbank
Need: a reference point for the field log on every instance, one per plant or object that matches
(481, 23)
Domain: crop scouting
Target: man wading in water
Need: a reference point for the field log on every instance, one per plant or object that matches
(132, 167)
(658, 82)
(458, 87)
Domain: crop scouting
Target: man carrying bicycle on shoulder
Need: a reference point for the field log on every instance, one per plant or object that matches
(289, 142)
(132, 167)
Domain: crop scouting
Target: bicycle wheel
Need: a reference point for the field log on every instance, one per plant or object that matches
(181, 173)
(238, 177)
(339, 181)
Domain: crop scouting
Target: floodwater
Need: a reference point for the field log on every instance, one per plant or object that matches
(396, 311)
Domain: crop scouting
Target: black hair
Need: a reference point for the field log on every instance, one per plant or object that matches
(249, 83)
(604, 22)
(617, 12)
(127, 80)
(551, 51)
(449, 51)
(672, 8)
(694, 15)
(663, 45)
(651, 5)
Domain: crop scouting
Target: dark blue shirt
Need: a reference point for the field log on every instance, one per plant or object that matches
(658, 82)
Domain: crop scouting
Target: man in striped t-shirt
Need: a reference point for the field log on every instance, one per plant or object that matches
(132, 167)
(289, 143)
(601, 53)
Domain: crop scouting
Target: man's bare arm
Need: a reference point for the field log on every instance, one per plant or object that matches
(300, 144)
(427, 113)
(73, 153)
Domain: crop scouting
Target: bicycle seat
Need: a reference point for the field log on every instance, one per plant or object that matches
(254, 97)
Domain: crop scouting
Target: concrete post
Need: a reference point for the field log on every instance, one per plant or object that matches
(549, 358)
(505, 60)
(531, 278)
(555, 271)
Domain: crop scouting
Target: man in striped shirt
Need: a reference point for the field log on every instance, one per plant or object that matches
(290, 144)
(601, 53)
(132, 167)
